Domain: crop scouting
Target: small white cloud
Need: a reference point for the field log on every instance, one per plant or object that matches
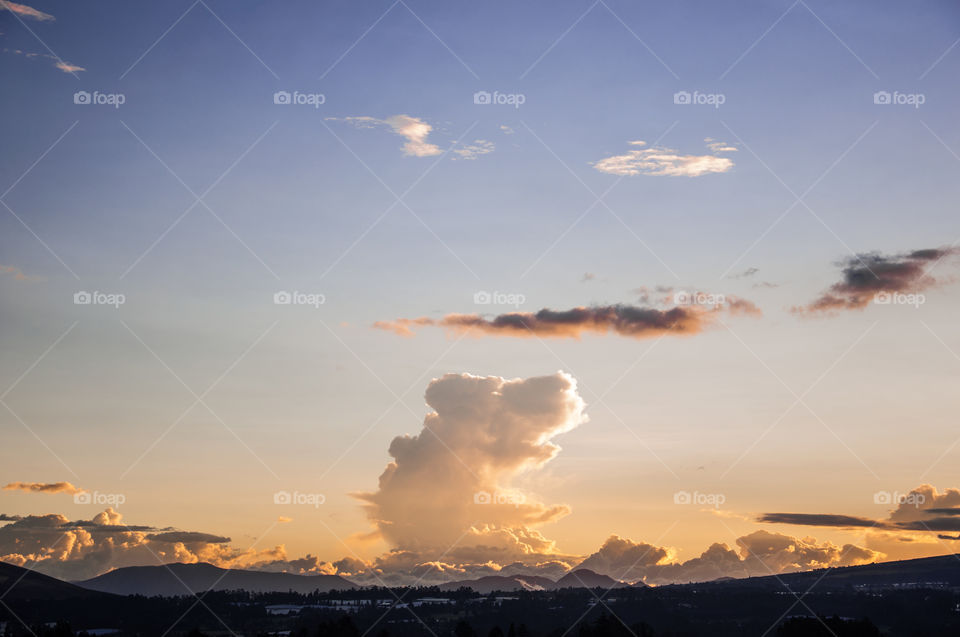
(474, 150)
(719, 147)
(66, 67)
(662, 161)
(414, 129)
(506, 129)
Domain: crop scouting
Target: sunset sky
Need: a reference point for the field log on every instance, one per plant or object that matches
(637, 323)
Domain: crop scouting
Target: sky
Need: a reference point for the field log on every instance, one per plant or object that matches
(419, 292)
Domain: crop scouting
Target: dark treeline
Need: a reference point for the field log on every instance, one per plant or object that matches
(657, 612)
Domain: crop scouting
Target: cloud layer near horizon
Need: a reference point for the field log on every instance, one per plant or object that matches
(623, 320)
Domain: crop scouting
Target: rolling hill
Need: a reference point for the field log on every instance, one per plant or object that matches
(17, 583)
(185, 579)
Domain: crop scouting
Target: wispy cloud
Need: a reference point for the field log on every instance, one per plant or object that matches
(66, 67)
(662, 161)
(24, 10)
(413, 129)
(623, 320)
(43, 487)
(474, 150)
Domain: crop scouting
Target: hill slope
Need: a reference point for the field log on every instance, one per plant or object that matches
(17, 583)
(184, 579)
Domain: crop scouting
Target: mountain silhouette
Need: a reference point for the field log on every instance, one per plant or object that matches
(185, 579)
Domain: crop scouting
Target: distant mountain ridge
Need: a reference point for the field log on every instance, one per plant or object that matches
(940, 569)
(580, 578)
(186, 579)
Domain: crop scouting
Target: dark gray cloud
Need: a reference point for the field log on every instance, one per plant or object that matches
(623, 320)
(866, 275)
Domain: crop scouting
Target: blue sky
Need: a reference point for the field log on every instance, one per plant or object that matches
(305, 199)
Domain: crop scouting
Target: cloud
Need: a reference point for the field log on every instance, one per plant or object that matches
(719, 147)
(14, 271)
(445, 504)
(81, 549)
(414, 129)
(661, 161)
(474, 150)
(66, 67)
(749, 272)
(43, 487)
(919, 520)
(24, 10)
(760, 553)
(818, 519)
(623, 320)
(866, 275)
